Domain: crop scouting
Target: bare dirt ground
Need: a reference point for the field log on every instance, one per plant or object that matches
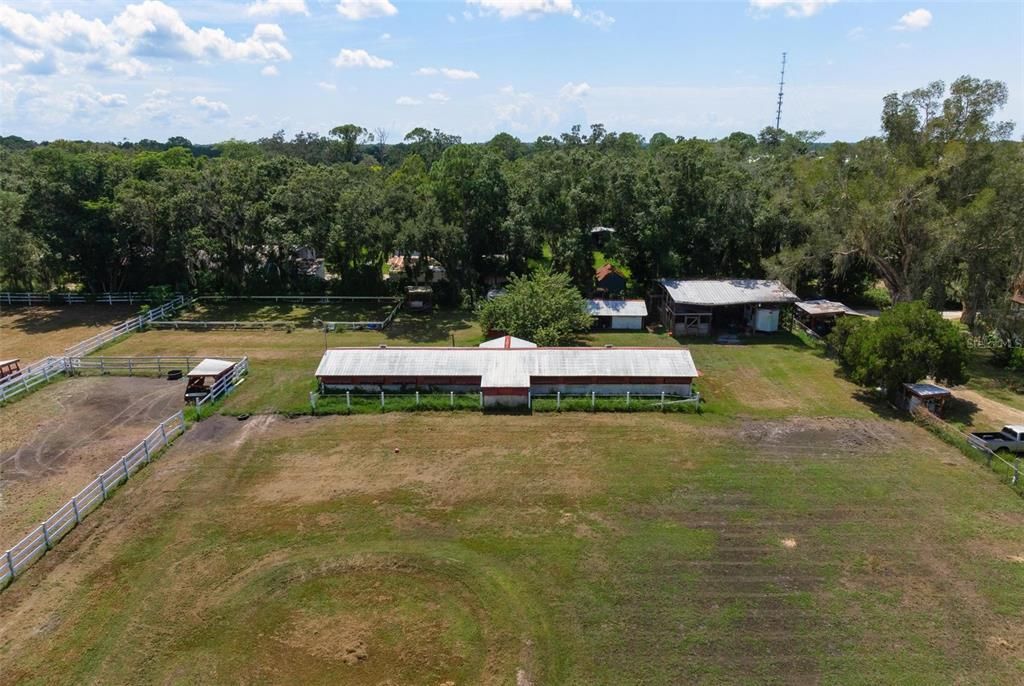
(32, 333)
(986, 413)
(58, 439)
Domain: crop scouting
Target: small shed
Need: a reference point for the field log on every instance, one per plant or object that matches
(609, 279)
(618, 314)
(929, 396)
(204, 375)
(820, 316)
(419, 298)
(601, 235)
(9, 368)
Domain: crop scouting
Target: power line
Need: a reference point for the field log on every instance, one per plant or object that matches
(782, 81)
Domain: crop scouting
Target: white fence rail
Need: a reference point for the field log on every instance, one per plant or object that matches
(68, 516)
(106, 364)
(324, 299)
(134, 324)
(33, 375)
(225, 385)
(26, 298)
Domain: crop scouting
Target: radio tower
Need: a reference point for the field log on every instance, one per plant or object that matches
(782, 81)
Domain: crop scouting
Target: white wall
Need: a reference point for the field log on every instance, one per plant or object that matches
(631, 323)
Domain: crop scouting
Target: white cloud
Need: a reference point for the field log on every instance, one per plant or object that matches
(148, 30)
(451, 19)
(385, 36)
(348, 59)
(596, 18)
(508, 9)
(357, 10)
(574, 91)
(793, 8)
(856, 33)
(214, 109)
(438, 97)
(406, 100)
(252, 122)
(272, 8)
(112, 100)
(327, 86)
(914, 21)
(269, 70)
(448, 73)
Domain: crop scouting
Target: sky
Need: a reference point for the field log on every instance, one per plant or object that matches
(214, 70)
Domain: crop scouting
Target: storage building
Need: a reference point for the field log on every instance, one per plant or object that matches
(927, 395)
(618, 314)
(507, 375)
(692, 308)
(819, 316)
(609, 280)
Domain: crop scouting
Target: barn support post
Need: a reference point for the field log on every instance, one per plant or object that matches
(74, 506)
(46, 537)
(10, 563)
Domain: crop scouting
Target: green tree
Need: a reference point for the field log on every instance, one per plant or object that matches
(544, 308)
(906, 344)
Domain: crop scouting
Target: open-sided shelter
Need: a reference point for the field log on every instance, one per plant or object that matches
(508, 375)
(204, 375)
(618, 314)
(933, 398)
(820, 315)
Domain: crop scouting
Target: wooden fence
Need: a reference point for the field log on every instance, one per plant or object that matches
(68, 516)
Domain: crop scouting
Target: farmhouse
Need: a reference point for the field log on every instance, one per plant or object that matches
(618, 314)
(508, 374)
(820, 316)
(609, 280)
(690, 308)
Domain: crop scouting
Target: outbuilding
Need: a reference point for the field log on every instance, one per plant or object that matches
(10, 368)
(609, 280)
(628, 315)
(204, 375)
(927, 395)
(694, 307)
(820, 316)
(507, 375)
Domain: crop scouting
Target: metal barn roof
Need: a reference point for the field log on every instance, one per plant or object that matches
(210, 367)
(727, 292)
(826, 307)
(617, 308)
(925, 390)
(508, 342)
(499, 367)
(4, 363)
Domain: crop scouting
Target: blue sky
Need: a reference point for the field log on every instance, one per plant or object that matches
(214, 70)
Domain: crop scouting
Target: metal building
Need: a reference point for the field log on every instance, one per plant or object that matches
(692, 308)
(618, 314)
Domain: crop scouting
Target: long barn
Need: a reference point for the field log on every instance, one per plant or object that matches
(508, 375)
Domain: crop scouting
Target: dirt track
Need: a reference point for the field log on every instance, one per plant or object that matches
(57, 440)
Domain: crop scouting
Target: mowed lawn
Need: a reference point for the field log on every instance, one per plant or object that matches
(297, 314)
(554, 549)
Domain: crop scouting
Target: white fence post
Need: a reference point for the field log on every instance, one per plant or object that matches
(663, 401)
(382, 400)
(481, 398)
(558, 400)
(10, 563)
(74, 506)
(163, 432)
(627, 400)
(124, 466)
(312, 400)
(103, 488)
(145, 449)
(348, 400)
(529, 400)
(451, 398)
(593, 401)
(46, 537)
(417, 398)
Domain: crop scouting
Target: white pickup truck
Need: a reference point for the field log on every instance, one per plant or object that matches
(1011, 439)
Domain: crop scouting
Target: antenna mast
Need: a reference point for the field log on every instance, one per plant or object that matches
(782, 81)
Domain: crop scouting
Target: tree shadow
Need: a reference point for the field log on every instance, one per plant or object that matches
(960, 410)
(44, 319)
(436, 327)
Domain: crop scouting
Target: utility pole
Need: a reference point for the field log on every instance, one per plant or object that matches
(782, 81)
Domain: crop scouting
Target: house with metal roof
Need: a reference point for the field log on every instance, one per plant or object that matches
(693, 307)
(507, 375)
(618, 314)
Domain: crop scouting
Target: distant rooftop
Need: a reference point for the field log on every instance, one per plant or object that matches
(508, 343)
(826, 307)
(617, 308)
(727, 292)
(925, 390)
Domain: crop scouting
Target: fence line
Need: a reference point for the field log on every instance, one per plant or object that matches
(1013, 473)
(70, 514)
(233, 325)
(303, 298)
(410, 400)
(107, 364)
(26, 298)
(35, 374)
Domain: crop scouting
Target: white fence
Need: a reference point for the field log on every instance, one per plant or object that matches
(33, 375)
(134, 324)
(129, 297)
(225, 384)
(68, 516)
(107, 364)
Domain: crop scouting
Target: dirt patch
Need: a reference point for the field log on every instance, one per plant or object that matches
(987, 413)
(329, 638)
(61, 437)
(32, 333)
(822, 437)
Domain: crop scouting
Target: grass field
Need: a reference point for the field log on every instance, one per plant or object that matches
(553, 549)
(995, 382)
(32, 333)
(297, 314)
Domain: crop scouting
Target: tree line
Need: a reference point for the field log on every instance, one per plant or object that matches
(932, 208)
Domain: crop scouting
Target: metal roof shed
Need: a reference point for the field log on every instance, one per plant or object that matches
(210, 367)
(618, 314)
